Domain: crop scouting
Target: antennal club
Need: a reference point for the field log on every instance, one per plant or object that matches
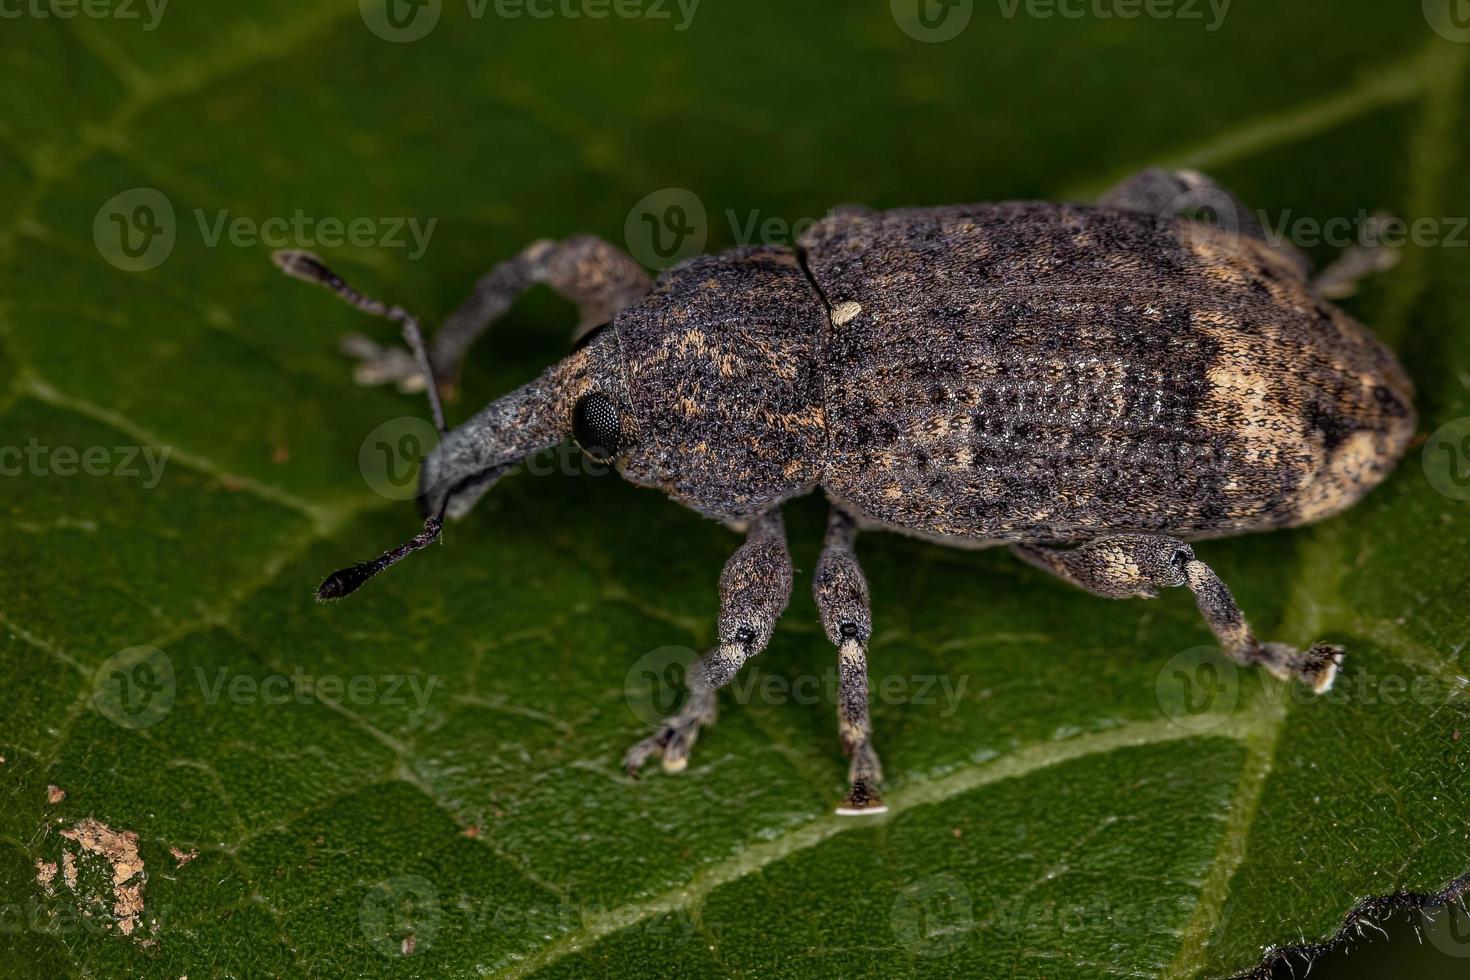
(346, 581)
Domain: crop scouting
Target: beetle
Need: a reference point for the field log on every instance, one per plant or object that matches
(1093, 386)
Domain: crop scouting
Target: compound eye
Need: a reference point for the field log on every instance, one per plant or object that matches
(597, 426)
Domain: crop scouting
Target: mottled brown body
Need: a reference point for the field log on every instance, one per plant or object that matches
(1039, 372)
(1011, 372)
(1122, 378)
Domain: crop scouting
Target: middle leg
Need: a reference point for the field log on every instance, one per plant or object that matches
(841, 592)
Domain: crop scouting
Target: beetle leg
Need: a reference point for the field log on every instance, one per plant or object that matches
(1358, 261)
(1129, 565)
(754, 589)
(841, 593)
(1167, 193)
(586, 270)
(1175, 193)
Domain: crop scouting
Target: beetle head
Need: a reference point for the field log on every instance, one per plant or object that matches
(706, 389)
(581, 397)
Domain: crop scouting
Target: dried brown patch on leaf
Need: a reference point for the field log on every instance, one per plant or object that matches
(55, 794)
(183, 857)
(45, 874)
(120, 850)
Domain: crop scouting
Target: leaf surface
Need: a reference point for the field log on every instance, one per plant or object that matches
(1050, 816)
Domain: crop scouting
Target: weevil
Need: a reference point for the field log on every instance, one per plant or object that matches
(1093, 387)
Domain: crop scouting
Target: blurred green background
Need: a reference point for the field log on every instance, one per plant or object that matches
(1054, 824)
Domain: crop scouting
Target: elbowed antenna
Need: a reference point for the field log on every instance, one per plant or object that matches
(307, 267)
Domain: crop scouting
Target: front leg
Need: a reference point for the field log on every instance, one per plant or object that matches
(598, 278)
(754, 589)
(1129, 565)
(841, 592)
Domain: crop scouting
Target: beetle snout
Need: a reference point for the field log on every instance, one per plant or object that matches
(433, 495)
(451, 481)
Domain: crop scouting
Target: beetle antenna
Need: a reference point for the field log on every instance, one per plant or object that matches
(346, 581)
(309, 268)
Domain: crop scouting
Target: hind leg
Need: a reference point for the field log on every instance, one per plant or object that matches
(1358, 261)
(1167, 193)
(1138, 565)
(1170, 194)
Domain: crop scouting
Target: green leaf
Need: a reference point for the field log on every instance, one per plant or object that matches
(1048, 814)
